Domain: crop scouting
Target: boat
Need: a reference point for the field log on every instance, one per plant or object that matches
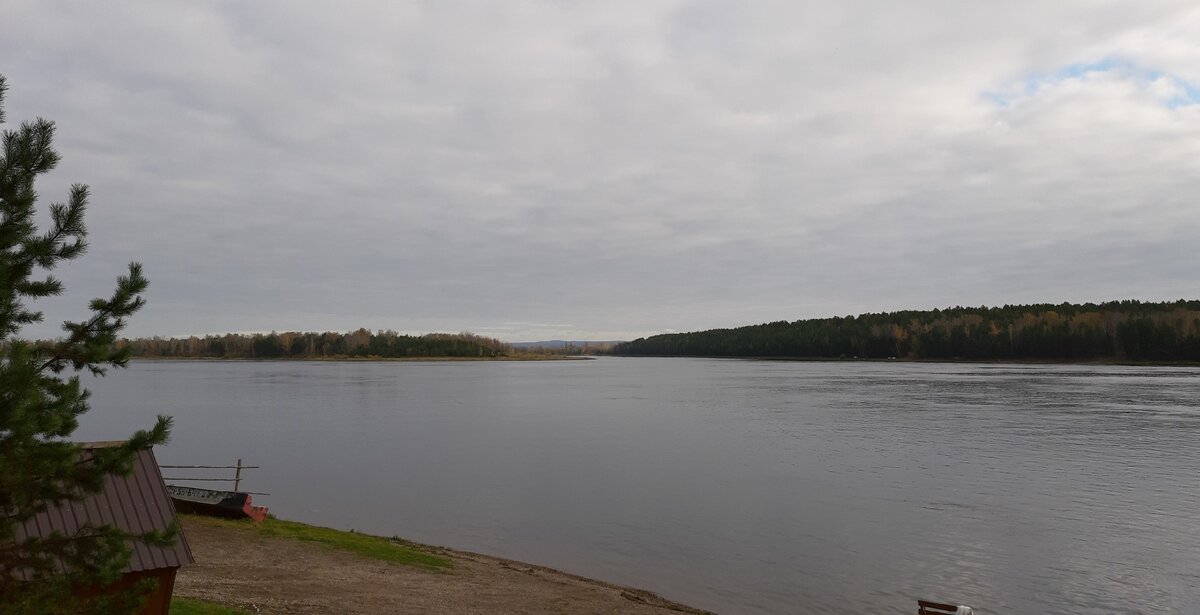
(228, 504)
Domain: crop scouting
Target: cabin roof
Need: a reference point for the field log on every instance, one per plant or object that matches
(137, 504)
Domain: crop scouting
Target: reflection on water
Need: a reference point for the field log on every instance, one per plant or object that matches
(739, 486)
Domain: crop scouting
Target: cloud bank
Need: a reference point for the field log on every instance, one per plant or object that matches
(607, 170)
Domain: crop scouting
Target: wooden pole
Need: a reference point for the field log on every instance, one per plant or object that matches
(237, 476)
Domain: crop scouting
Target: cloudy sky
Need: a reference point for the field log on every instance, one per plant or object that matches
(605, 170)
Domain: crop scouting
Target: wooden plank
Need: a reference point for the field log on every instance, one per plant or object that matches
(926, 607)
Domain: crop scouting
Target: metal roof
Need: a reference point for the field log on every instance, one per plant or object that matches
(137, 504)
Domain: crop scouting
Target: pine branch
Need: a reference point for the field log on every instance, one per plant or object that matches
(39, 409)
(81, 348)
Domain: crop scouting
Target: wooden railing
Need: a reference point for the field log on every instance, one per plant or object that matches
(236, 480)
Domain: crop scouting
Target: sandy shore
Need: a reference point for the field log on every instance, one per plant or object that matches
(264, 574)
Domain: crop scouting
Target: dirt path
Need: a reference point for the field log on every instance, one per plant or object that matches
(281, 575)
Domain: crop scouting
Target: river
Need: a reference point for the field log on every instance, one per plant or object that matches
(732, 485)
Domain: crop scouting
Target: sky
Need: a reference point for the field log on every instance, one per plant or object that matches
(607, 170)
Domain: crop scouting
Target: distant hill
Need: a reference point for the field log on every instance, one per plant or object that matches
(1115, 330)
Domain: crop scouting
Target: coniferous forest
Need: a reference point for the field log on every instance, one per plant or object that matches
(358, 344)
(1116, 330)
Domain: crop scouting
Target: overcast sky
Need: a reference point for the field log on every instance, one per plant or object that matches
(606, 170)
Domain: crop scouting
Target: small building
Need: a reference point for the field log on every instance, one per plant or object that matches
(137, 504)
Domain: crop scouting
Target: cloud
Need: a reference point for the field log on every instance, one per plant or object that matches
(624, 167)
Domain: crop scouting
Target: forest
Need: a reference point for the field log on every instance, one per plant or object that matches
(1112, 331)
(357, 344)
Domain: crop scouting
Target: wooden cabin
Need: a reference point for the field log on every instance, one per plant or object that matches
(137, 503)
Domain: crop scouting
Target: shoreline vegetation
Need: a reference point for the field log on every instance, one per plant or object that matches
(370, 359)
(301, 568)
(1131, 332)
(355, 345)
(1110, 333)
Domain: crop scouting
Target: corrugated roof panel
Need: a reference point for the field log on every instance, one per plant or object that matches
(125, 507)
(160, 502)
(79, 513)
(137, 504)
(148, 510)
(91, 511)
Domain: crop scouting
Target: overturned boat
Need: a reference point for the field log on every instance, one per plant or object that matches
(228, 504)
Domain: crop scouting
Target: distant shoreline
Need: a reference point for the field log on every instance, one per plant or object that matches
(368, 359)
(535, 358)
(909, 360)
(1118, 332)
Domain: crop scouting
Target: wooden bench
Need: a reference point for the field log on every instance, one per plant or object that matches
(926, 607)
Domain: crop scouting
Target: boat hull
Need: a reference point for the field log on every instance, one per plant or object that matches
(228, 504)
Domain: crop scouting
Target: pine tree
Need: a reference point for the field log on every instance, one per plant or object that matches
(41, 397)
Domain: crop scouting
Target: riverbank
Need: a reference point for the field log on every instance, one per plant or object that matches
(286, 567)
(785, 359)
(531, 357)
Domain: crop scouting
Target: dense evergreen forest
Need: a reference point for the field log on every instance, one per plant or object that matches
(1116, 330)
(361, 343)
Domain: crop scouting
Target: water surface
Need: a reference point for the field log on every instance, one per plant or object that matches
(737, 486)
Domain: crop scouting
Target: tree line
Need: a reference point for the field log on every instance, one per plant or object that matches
(1115, 330)
(309, 345)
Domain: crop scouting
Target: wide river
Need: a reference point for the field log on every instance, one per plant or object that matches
(731, 485)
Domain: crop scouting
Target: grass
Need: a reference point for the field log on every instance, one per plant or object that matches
(391, 550)
(195, 606)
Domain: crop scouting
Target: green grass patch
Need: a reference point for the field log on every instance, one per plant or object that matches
(195, 606)
(391, 550)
